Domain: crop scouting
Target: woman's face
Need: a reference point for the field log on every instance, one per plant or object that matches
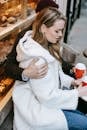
(54, 33)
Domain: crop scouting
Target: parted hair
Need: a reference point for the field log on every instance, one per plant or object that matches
(47, 16)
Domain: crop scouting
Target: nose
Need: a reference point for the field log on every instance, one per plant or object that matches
(60, 33)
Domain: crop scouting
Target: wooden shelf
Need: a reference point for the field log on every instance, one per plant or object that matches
(5, 105)
(5, 99)
(20, 24)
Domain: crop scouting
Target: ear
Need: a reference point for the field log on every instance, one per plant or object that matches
(43, 28)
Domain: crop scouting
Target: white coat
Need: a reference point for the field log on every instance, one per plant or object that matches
(38, 103)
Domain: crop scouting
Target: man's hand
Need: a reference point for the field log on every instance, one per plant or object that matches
(34, 71)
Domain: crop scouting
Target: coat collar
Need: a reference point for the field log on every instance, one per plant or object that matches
(32, 48)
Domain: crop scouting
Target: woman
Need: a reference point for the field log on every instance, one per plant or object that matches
(42, 104)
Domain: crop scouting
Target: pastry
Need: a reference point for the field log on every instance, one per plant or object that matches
(11, 20)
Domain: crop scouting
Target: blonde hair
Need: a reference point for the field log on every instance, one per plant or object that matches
(47, 16)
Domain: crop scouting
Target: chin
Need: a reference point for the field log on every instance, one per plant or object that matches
(54, 42)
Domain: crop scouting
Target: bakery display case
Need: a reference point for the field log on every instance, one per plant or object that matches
(15, 16)
(6, 45)
(13, 10)
(10, 11)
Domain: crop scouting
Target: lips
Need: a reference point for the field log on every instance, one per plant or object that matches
(58, 39)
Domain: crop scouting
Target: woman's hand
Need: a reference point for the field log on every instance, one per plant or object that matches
(34, 71)
(76, 83)
(82, 91)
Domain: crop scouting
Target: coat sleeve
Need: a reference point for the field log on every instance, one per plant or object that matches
(12, 68)
(65, 79)
(47, 91)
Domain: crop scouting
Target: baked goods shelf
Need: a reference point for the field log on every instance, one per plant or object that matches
(7, 36)
(20, 24)
(6, 105)
(5, 99)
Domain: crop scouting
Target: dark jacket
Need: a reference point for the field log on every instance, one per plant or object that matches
(11, 65)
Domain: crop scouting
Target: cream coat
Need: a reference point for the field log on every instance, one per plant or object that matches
(38, 103)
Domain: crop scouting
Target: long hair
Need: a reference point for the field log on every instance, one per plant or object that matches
(47, 16)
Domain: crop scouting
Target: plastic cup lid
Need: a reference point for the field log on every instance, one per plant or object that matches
(80, 66)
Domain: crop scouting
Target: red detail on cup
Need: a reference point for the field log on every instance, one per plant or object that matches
(84, 84)
(79, 73)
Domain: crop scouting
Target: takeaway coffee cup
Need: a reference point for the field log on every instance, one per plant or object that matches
(80, 70)
(84, 81)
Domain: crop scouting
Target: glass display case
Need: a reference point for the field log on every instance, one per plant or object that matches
(12, 10)
(15, 15)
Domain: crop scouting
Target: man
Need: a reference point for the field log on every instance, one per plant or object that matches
(12, 66)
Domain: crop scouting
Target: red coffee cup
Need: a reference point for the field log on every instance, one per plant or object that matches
(79, 73)
(80, 70)
(84, 81)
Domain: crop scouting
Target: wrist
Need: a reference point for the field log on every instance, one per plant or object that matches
(73, 82)
(25, 77)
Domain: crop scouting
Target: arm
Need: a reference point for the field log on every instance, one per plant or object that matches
(66, 80)
(11, 66)
(47, 91)
(13, 70)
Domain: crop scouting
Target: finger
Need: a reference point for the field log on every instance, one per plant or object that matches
(43, 66)
(43, 70)
(80, 86)
(41, 76)
(34, 60)
(41, 73)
